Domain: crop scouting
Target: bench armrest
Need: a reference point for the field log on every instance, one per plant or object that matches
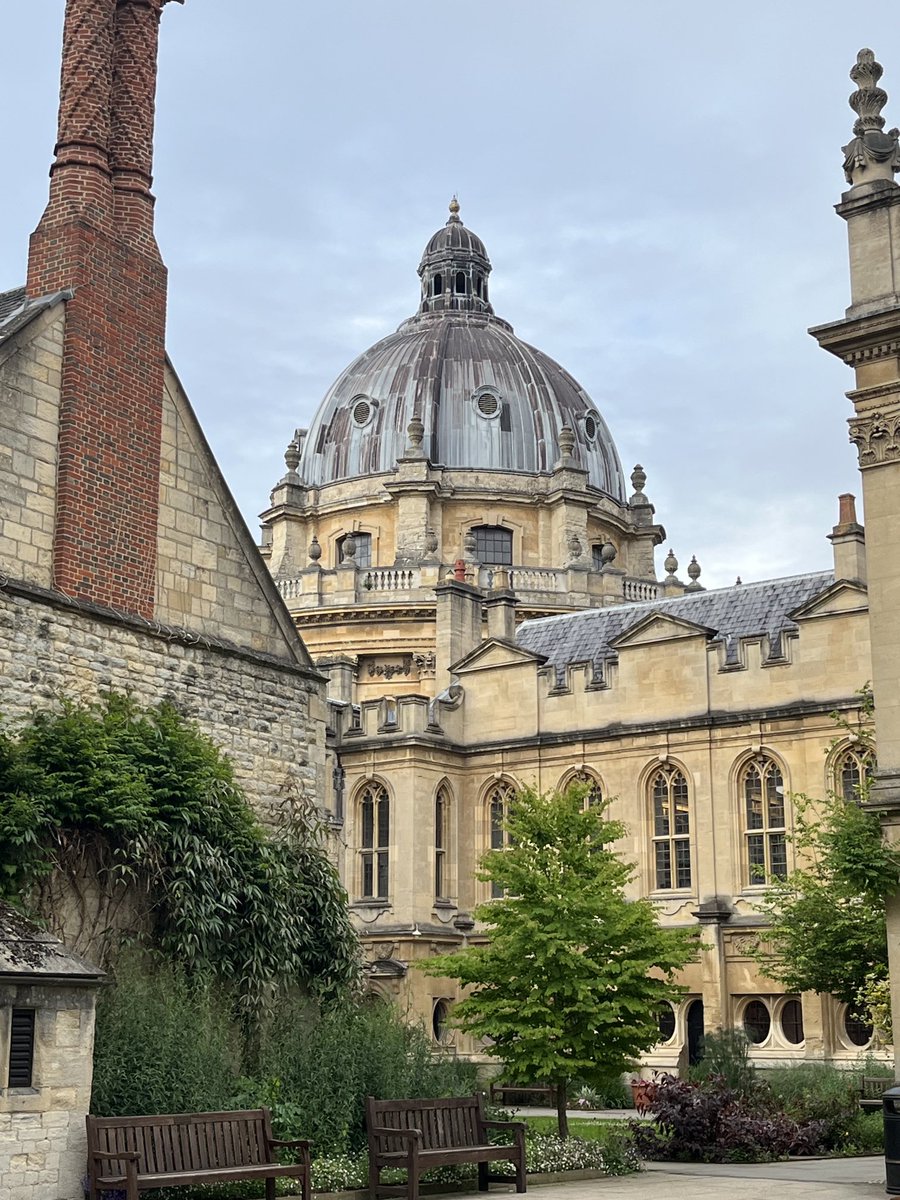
(514, 1125)
(125, 1155)
(299, 1144)
(410, 1135)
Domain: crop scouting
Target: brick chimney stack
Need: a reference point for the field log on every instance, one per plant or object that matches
(96, 238)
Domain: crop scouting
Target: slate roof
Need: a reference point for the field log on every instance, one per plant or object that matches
(744, 610)
(31, 954)
(16, 310)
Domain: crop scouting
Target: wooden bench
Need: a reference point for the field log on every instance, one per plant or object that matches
(871, 1089)
(418, 1135)
(138, 1153)
(544, 1091)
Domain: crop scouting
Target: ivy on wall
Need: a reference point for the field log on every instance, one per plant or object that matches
(130, 822)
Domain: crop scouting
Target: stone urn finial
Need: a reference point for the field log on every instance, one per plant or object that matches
(348, 548)
(694, 573)
(671, 564)
(608, 554)
(415, 434)
(873, 154)
(315, 550)
(292, 456)
(469, 544)
(566, 445)
(431, 542)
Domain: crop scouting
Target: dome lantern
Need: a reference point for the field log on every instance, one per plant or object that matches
(454, 269)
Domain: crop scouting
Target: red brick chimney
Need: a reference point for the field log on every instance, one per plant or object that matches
(96, 238)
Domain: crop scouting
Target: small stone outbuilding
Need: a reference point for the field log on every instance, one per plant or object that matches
(47, 1003)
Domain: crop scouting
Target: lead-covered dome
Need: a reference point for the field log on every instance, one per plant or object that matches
(486, 399)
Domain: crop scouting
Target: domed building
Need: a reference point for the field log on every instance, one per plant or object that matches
(451, 444)
(455, 541)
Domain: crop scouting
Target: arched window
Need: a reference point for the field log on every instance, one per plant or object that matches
(362, 550)
(671, 829)
(493, 545)
(762, 798)
(375, 833)
(853, 767)
(460, 284)
(437, 284)
(498, 801)
(441, 835)
(594, 796)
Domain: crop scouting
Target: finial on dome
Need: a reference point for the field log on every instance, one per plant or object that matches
(454, 210)
(873, 154)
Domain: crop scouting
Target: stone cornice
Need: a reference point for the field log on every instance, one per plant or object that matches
(863, 338)
(609, 733)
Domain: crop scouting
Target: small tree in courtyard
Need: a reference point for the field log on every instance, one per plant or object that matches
(570, 981)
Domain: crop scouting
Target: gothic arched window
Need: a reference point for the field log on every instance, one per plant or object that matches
(762, 798)
(853, 767)
(374, 841)
(441, 839)
(498, 801)
(671, 836)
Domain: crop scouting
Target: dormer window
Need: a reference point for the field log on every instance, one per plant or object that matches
(460, 286)
(437, 285)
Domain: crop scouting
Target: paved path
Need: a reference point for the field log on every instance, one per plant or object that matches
(812, 1179)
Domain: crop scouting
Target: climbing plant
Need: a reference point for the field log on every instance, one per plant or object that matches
(132, 816)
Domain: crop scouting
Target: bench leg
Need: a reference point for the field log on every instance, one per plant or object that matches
(412, 1185)
(374, 1178)
(483, 1176)
(520, 1173)
(270, 1188)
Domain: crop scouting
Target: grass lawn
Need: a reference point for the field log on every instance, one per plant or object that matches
(598, 1131)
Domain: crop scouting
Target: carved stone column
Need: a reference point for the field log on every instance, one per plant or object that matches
(868, 340)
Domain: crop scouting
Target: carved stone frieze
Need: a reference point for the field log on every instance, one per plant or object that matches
(876, 437)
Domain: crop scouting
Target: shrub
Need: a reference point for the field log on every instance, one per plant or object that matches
(164, 1042)
(817, 1092)
(326, 1063)
(712, 1122)
(725, 1055)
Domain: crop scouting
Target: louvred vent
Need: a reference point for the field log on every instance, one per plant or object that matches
(21, 1048)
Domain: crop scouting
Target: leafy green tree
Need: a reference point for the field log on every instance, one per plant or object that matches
(133, 817)
(827, 917)
(570, 980)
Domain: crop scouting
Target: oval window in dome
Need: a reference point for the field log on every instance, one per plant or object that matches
(488, 404)
(362, 410)
(590, 427)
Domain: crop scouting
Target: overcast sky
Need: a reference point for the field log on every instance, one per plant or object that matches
(654, 183)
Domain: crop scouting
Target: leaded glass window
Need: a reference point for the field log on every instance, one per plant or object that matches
(671, 829)
(498, 801)
(493, 545)
(762, 793)
(853, 767)
(441, 813)
(375, 832)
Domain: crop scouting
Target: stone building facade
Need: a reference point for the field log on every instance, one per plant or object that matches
(124, 562)
(455, 541)
(174, 603)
